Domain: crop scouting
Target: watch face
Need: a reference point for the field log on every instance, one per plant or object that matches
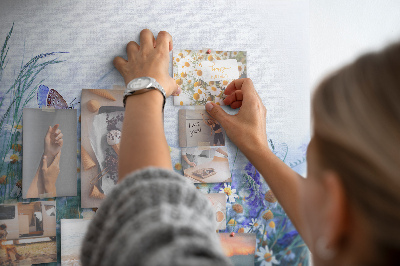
(141, 83)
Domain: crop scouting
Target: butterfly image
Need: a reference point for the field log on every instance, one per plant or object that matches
(51, 98)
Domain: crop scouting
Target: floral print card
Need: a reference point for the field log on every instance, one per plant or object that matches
(204, 74)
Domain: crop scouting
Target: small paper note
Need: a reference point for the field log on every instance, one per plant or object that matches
(219, 70)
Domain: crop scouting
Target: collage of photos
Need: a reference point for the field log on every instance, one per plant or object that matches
(203, 76)
(50, 159)
(102, 114)
(28, 233)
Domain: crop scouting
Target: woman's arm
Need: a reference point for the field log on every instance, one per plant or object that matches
(205, 122)
(45, 178)
(185, 158)
(222, 152)
(143, 140)
(36, 186)
(247, 130)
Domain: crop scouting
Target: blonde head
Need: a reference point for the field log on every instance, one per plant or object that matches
(356, 113)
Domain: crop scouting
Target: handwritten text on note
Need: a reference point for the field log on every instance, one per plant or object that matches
(219, 70)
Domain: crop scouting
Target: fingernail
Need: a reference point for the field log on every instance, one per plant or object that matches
(209, 106)
(179, 90)
(44, 157)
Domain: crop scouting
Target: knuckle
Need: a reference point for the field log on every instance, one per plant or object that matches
(131, 45)
(248, 81)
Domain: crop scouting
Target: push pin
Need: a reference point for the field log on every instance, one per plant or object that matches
(208, 51)
(232, 234)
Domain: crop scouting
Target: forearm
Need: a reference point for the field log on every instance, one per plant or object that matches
(33, 191)
(143, 140)
(283, 181)
(36, 188)
(185, 158)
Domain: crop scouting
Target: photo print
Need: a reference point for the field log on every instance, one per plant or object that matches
(198, 128)
(102, 114)
(204, 74)
(28, 233)
(240, 248)
(73, 232)
(218, 201)
(50, 159)
(206, 164)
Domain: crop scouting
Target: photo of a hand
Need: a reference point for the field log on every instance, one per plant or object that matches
(44, 182)
(49, 174)
(53, 143)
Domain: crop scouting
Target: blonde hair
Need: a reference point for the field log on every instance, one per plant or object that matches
(356, 113)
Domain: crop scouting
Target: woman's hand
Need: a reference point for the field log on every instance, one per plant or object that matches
(53, 142)
(247, 129)
(150, 59)
(49, 174)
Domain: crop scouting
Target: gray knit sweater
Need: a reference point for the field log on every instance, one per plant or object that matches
(153, 217)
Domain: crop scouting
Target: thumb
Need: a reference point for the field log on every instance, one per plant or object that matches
(217, 113)
(49, 131)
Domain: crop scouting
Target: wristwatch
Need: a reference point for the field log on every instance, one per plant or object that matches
(142, 85)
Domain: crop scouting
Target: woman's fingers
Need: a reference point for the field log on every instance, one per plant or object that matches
(245, 85)
(119, 63)
(59, 136)
(60, 142)
(54, 129)
(247, 94)
(232, 99)
(131, 48)
(233, 86)
(164, 42)
(146, 40)
(177, 92)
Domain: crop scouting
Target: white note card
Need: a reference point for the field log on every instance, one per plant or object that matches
(219, 70)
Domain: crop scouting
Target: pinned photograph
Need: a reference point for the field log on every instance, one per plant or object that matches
(50, 159)
(206, 164)
(239, 247)
(72, 234)
(204, 74)
(218, 201)
(28, 233)
(198, 128)
(102, 114)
